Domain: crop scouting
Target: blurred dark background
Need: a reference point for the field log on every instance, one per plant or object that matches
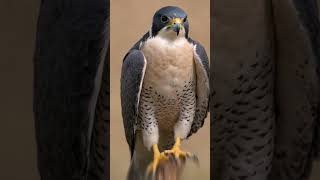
(17, 37)
(18, 149)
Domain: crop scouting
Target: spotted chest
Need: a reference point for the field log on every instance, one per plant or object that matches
(169, 83)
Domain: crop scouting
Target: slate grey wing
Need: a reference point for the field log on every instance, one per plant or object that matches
(201, 52)
(133, 69)
(202, 90)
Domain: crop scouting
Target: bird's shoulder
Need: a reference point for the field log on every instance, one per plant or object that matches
(139, 43)
(195, 43)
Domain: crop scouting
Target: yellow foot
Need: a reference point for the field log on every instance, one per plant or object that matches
(177, 152)
(157, 158)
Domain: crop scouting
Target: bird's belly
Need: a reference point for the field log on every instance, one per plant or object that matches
(167, 113)
(165, 109)
(161, 111)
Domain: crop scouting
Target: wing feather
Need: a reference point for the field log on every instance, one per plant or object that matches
(203, 90)
(132, 75)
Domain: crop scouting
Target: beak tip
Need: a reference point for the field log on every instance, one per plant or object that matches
(177, 29)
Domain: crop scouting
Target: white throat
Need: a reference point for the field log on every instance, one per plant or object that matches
(170, 35)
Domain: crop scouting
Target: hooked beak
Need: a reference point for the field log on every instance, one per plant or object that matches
(176, 25)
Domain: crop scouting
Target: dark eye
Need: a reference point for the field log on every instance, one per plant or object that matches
(164, 19)
(185, 19)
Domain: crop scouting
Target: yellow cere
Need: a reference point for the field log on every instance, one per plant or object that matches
(176, 21)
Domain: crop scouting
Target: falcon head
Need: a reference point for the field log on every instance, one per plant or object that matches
(170, 21)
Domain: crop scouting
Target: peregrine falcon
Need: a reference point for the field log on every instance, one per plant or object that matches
(164, 91)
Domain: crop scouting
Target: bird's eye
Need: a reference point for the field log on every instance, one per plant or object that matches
(185, 19)
(164, 19)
